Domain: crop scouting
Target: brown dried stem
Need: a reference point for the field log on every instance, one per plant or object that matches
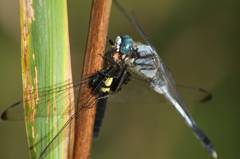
(98, 28)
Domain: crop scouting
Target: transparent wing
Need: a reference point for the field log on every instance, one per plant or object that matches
(133, 21)
(14, 112)
(192, 94)
(43, 143)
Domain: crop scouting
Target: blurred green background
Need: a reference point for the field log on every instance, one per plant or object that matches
(197, 39)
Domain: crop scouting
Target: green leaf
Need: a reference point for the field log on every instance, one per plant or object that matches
(45, 63)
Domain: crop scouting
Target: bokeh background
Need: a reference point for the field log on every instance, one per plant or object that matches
(197, 39)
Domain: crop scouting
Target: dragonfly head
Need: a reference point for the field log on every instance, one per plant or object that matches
(124, 44)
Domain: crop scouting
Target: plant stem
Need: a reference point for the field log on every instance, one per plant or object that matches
(97, 34)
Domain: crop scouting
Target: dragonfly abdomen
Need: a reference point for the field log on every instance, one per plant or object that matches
(100, 111)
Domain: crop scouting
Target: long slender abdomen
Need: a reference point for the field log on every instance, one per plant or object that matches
(100, 111)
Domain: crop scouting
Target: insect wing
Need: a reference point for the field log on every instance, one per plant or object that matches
(14, 112)
(194, 95)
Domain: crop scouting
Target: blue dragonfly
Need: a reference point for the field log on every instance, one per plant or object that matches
(123, 61)
(143, 60)
(104, 84)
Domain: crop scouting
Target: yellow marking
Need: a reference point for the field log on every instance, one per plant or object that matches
(107, 83)
(105, 90)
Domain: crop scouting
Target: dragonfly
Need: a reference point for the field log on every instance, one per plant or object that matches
(103, 84)
(142, 59)
(116, 72)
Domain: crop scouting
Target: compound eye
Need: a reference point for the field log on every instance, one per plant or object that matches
(126, 47)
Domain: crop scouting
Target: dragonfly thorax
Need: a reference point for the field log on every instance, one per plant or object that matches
(144, 61)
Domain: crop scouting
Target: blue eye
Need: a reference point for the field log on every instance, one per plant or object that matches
(126, 45)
